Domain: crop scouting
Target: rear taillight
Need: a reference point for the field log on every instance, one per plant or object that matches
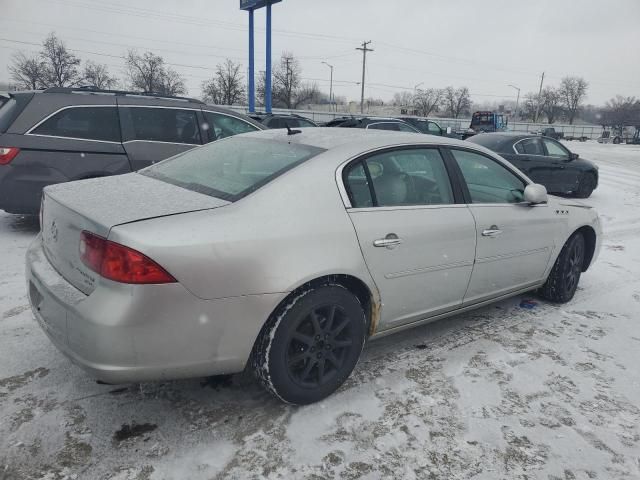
(7, 154)
(119, 263)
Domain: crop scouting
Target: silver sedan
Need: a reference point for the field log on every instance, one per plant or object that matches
(287, 251)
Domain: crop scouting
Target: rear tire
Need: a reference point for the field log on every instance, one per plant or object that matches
(562, 282)
(587, 185)
(616, 140)
(310, 345)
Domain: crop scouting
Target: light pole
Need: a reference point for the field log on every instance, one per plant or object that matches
(517, 101)
(330, 83)
(415, 88)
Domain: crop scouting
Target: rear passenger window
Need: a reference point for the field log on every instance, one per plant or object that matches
(529, 146)
(221, 126)
(171, 125)
(87, 123)
(358, 187)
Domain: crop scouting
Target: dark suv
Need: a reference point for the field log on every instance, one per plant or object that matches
(62, 134)
(281, 120)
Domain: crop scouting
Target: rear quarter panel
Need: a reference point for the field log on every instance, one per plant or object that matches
(289, 232)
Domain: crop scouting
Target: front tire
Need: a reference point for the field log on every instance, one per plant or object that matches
(587, 185)
(562, 282)
(310, 345)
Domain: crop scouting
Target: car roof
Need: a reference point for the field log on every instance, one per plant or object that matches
(329, 138)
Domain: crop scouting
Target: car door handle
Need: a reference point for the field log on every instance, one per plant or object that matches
(492, 231)
(390, 241)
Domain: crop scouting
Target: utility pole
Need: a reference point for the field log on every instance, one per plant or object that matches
(517, 101)
(539, 95)
(289, 77)
(330, 85)
(364, 50)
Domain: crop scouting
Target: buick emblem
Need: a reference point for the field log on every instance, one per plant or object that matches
(54, 231)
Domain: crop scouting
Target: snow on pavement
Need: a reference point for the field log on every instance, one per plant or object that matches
(551, 392)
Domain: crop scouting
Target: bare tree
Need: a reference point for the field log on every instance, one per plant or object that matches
(573, 91)
(286, 80)
(98, 76)
(147, 72)
(551, 103)
(27, 72)
(227, 86)
(456, 101)
(61, 66)
(403, 99)
(172, 83)
(306, 93)
(427, 101)
(622, 111)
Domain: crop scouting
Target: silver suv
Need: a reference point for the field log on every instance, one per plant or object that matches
(62, 134)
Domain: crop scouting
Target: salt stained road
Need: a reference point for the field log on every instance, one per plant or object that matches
(500, 393)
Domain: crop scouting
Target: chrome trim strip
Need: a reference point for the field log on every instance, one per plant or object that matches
(507, 256)
(435, 268)
(73, 138)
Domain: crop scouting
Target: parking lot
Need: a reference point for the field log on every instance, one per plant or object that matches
(504, 392)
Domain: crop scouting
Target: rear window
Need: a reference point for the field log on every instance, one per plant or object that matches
(87, 123)
(11, 107)
(232, 168)
(491, 141)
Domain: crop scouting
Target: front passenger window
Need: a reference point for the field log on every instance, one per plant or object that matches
(487, 180)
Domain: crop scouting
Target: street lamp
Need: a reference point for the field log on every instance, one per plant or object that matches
(517, 100)
(330, 83)
(415, 88)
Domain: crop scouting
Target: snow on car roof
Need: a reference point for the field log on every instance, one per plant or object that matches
(331, 137)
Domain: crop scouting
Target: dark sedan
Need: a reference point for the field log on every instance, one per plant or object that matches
(545, 161)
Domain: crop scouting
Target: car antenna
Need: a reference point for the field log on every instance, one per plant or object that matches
(290, 131)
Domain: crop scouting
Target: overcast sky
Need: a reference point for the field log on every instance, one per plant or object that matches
(485, 45)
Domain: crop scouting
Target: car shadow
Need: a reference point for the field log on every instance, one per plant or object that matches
(29, 224)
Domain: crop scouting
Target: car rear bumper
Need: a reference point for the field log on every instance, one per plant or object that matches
(130, 333)
(18, 195)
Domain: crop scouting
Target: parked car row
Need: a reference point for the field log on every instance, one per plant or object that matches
(63, 134)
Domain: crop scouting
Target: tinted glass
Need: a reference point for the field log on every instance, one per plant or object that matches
(434, 128)
(160, 125)
(410, 177)
(403, 127)
(222, 126)
(492, 141)
(555, 149)
(385, 126)
(91, 123)
(303, 122)
(487, 180)
(529, 146)
(231, 168)
(358, 186)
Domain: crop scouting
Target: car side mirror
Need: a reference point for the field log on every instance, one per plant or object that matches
(448, 130)
(535, 194)
(573, 156)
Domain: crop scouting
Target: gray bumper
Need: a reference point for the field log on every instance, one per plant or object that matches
(131, 333)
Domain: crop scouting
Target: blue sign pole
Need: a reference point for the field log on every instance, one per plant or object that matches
(252, 86)
(267, 83)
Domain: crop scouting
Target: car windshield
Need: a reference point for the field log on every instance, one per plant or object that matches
(232, 168)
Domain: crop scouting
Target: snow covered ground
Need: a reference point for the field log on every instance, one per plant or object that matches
(500, 393)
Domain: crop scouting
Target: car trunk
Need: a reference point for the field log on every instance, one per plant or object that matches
(97, 205)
